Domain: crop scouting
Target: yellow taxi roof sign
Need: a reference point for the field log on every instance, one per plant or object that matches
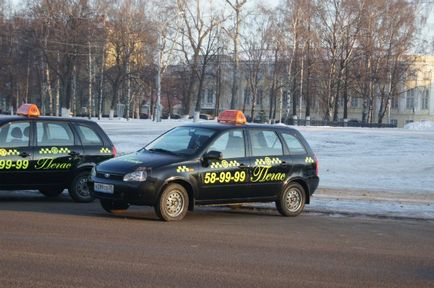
(232, 116)
(29, 110)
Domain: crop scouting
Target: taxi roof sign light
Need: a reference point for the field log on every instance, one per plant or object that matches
(232, 116)
(29, 110)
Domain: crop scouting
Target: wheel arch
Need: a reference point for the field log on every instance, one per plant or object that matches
(303, 184)
(184, 183)
(85, 166)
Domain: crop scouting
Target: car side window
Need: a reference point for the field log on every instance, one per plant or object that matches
(230, 143)
(15, 134)
(294, 145)
(54, 134)
(265, 143)
(88, 136)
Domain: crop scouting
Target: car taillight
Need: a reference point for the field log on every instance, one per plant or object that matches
(114, 151)
(316, 165)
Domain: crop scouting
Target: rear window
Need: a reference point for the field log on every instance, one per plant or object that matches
(88, 136)
(294, 144)
(265, 143)
(54, 134)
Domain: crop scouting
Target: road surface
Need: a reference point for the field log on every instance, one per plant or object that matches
(58, 243)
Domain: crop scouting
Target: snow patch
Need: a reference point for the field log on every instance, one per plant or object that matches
(422, 125)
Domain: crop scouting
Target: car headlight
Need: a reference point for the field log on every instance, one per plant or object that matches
(93, 171)
(139, 175)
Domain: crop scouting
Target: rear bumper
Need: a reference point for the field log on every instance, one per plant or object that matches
(313, 184)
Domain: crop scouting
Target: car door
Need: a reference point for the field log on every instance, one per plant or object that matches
(57, 152)
(226, 178)
(94, 148)
(15, 154)
(302, 165)
(269, 165)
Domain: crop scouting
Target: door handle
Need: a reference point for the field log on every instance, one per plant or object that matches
(73, 153)
(24, 154)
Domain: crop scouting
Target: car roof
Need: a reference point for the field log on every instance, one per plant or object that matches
(227, 126)
(12, 118)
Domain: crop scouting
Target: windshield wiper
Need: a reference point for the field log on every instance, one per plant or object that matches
(162, 151)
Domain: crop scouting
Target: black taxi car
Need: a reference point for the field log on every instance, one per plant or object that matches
(50, 153)
(218, 163)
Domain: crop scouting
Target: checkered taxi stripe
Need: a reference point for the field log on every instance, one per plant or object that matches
(225, 164)
(9, 152)
(105, 150)
(54, 150)
(183, 169)
(267, 161)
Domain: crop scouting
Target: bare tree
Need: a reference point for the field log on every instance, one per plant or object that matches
(234, 33)
(197, 33)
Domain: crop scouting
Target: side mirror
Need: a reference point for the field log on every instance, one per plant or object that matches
(212, 155)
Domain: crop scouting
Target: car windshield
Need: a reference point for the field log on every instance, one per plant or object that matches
(181, 141)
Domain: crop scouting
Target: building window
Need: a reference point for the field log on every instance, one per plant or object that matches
(394, 103)
(354, 102)
(285, 98)
(259, 97)
(247, 96)
(425, 99)
(408, 121)
(394, 122)
(210, 96)
(410, 99)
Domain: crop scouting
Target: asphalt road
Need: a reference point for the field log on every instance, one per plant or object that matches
(58, 243)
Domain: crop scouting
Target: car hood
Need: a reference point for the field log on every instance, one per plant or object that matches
(130, 162)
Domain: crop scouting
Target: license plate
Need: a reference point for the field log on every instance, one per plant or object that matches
(104, 188)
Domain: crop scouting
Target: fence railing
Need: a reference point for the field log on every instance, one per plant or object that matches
(304, 122)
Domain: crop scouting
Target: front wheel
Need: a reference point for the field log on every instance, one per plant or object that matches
(79, 190)
(291, 200)
(173, 203)
(112, 206)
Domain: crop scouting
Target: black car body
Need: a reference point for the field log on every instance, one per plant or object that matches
(219, 163)
(51, 154)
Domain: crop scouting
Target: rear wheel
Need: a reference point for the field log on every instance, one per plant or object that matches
(51, 192)
(291, 200)
(173, 203)
(78, 189)
(112, 206)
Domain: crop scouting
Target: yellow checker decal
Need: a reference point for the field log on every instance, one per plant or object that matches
(105, 150)
(54, 150)
(224, 164)
(9, 152)
(267, 162)
(309, 160)
(184, 169)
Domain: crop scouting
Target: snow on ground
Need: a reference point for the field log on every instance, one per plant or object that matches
(399, 160)
(422, 125)
(363, 171)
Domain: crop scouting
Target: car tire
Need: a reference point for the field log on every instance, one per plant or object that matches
(79, 190)
(51, 192)
(173, 203)
(291, 200)
(112, 206)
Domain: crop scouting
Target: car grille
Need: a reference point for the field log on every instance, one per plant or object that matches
(112, 176)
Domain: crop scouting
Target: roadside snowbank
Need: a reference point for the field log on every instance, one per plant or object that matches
(422, 125)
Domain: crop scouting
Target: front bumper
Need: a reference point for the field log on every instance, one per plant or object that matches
(135, 193)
